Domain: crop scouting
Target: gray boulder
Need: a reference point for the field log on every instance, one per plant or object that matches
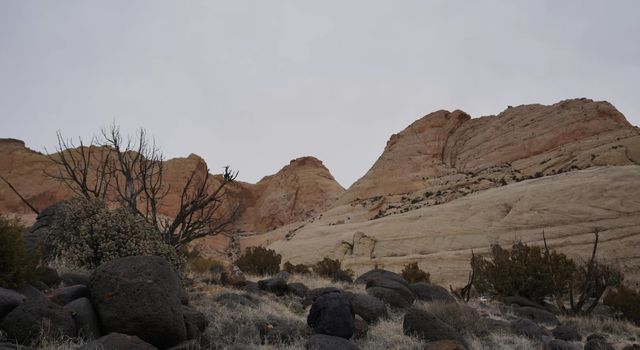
(275, 285)
(431, 292)
(526, 328)
(283, 274)
(24, 323)
(327, 342)
(297, 289)
(118, 341)
(360, 328)
(65, 295)
(9, 300)
(426, 326)
(537, 315)
(567, 332)
(380, 274)
(85, 318)
(389, 296)
(139, 295)
(392, 285)
(371, 309)
(332, 314)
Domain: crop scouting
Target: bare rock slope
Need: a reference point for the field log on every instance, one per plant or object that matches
(448, 184)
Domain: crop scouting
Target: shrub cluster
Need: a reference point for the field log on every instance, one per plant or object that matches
(626, 301)
(17, 264)
(301, 269)
(413, 274)
(86, 233)
(260, 261)
(200, 264)
(332, 269)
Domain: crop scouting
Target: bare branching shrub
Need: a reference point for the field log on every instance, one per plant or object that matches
(17, 264)
(413, 274)
(259, 261)
(130, 172)
(297, 268)
(86, 233)
(330, 268)
(625, 301)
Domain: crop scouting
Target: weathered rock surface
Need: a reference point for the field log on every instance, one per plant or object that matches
(140, 296)
(9, 300)
(85, 318)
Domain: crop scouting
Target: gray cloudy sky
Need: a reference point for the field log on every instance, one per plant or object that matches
(255, 84)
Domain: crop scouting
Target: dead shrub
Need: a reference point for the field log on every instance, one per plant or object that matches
(413, 274)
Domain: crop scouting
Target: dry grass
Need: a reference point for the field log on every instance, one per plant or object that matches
(620, 332)
(388, 335)
(500, 341)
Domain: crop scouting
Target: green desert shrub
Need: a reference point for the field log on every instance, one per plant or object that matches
(260, 261)
(332, 269)
(413, 274)
(523, 270)
(86, 233)
(17, 264)
(626, 301)
(300, 269)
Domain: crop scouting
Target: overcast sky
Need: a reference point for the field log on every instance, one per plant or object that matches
(254, 84)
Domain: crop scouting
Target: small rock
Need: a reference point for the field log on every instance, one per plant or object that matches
(360, 328)
(118, 341)
(598, 344)
(327, 342)
(65, 295)
(49, 276)
(85, 318)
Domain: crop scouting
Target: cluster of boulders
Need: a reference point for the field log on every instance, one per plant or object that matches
(129, 303)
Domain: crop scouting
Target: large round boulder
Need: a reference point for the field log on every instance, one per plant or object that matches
(85, 318)
(140, 295)
(380, 274)
(389, 296)
(431, 292)
(426, 326)
(24, 323)
(393, 285)
(332, 314)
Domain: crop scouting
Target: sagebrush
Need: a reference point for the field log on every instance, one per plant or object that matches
(17, 264)
(86, 233)
(259, 261)
(413, 274)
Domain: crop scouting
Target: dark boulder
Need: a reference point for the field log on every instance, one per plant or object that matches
(444, 345)
(313, 294)
(72, 279)
(297, 289)
(332, 314)
(526, 328)
(327, 342)
(85, 318)
(65, 295)
(426, 326)
(24, 323)
(598, 344)
(537, 315)
(360, 328)
(431, 292)
(187, 345)
(632, 347)
(558, 344)
(48, 276)
(380, 274)
(394, 286)
(9, 300)
(567, 332)
(389, 297)
(118, 341)
(277, 286)
(139, 295)
(371, 309)
(195, 321)
(283, 274)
